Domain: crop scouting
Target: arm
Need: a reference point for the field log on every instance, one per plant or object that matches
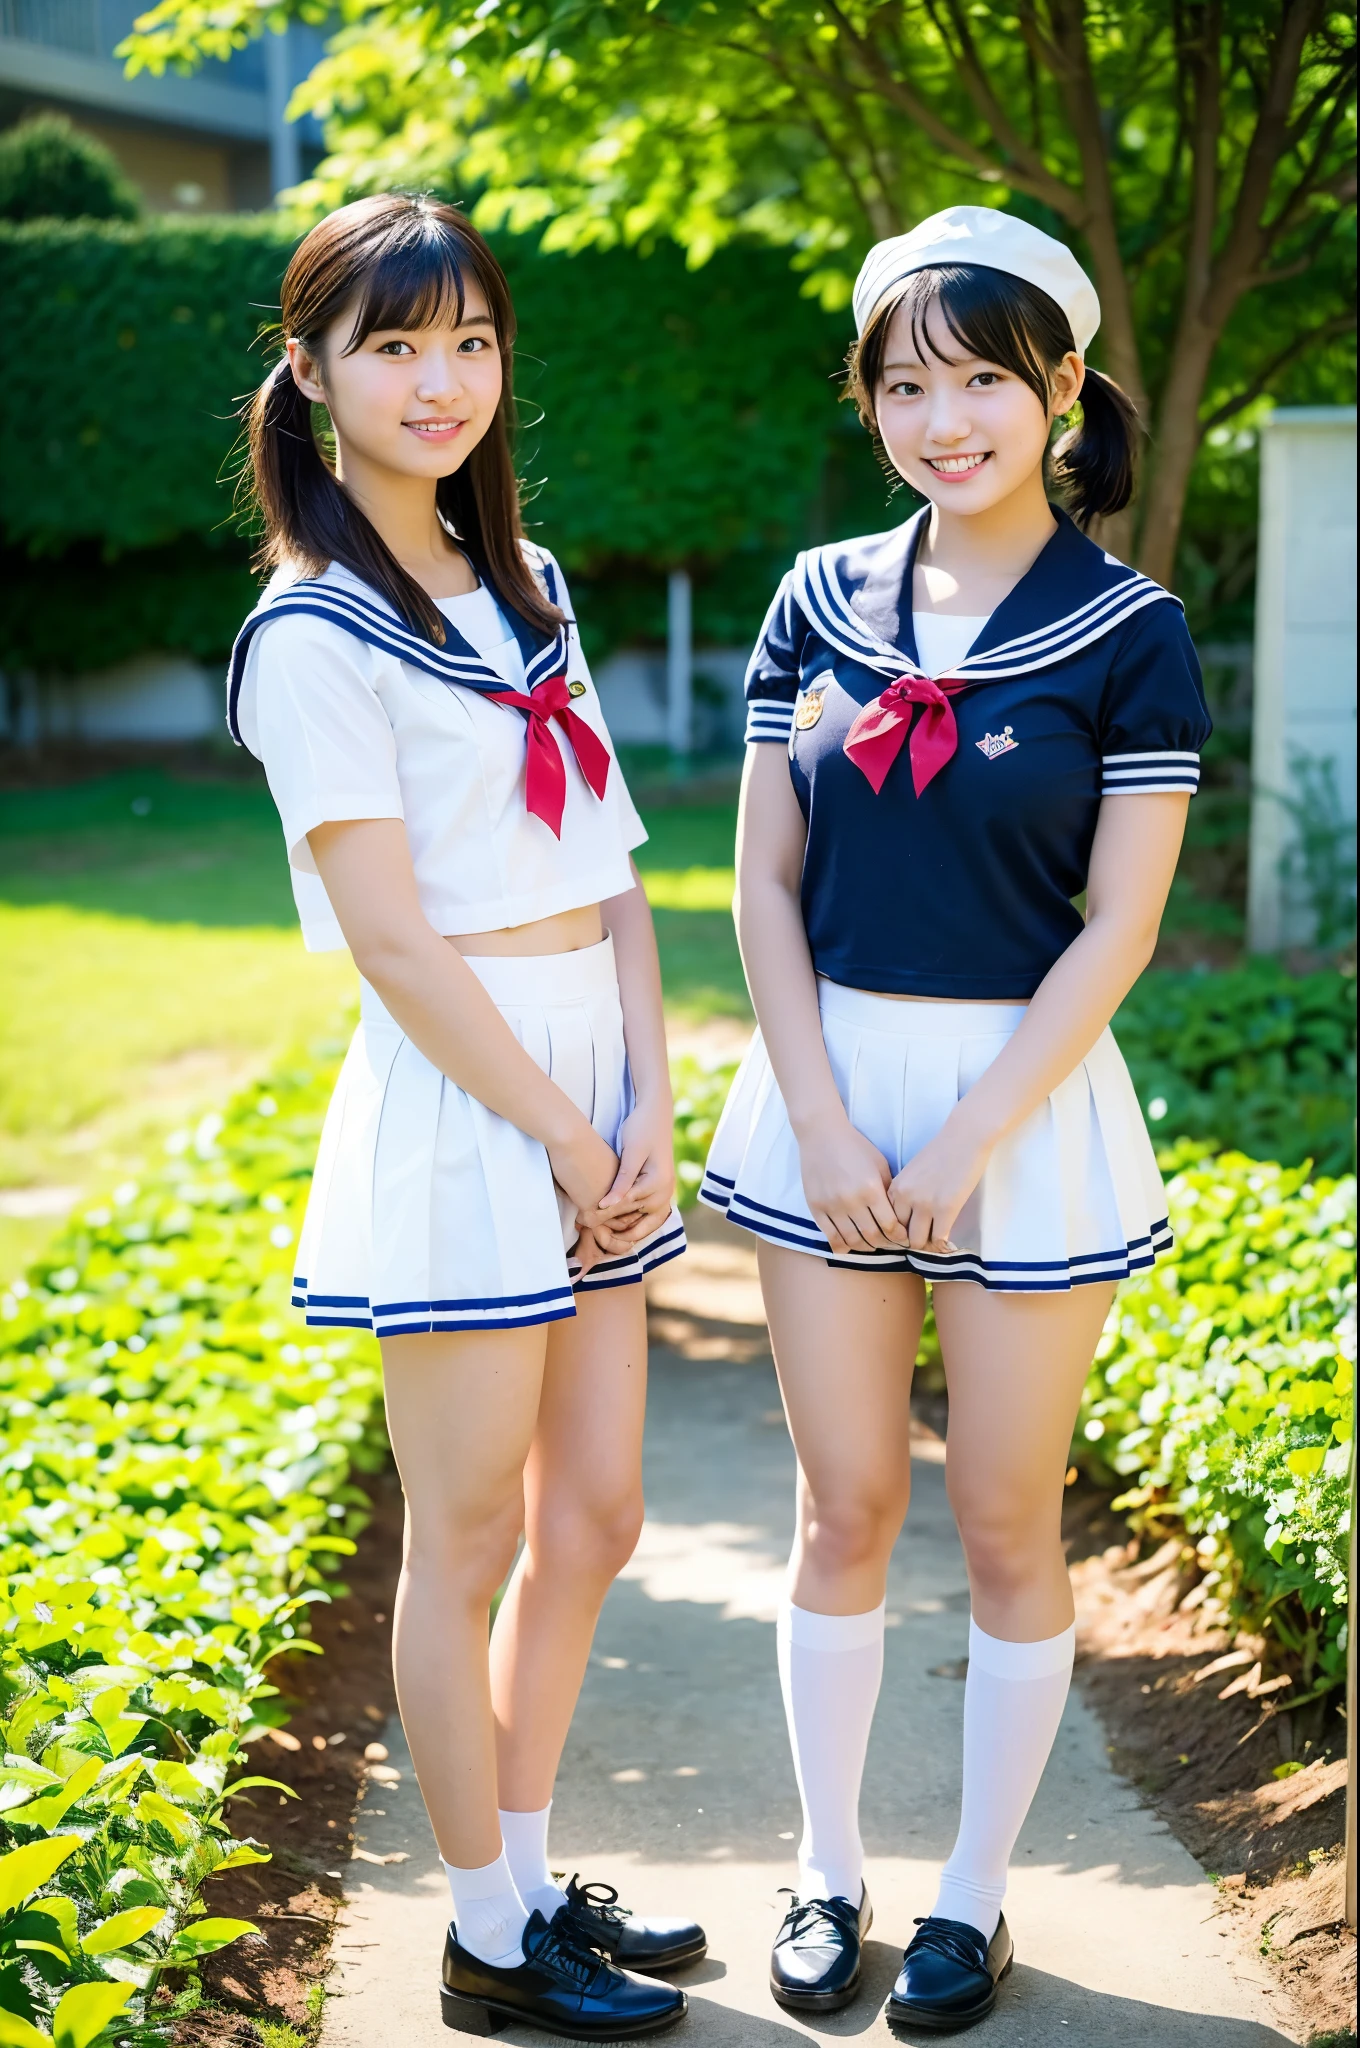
(439, 1003)
(1133, 859)
(639, 1200)
(845, 1178)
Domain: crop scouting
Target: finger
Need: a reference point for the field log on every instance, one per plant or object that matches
(919, 1227)
(944, 1221)
(850, 1233)
(630, 1166)
(830, 1230)
(886, 1218)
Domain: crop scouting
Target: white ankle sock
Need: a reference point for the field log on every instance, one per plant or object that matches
(488, 1912)
(526, 1851)
(830, 1667)
(1012, 1704)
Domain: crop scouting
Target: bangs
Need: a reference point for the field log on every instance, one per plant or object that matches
(418, 277)
(992, 316)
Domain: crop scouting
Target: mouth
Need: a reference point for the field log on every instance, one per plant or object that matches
(434, 430)
(957, 465)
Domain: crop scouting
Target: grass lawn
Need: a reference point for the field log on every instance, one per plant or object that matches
(150, 960)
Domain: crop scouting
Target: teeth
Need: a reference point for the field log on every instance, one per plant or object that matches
(956, 465)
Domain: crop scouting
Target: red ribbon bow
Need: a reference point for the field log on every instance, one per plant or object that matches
(875, 739)
(545, 772)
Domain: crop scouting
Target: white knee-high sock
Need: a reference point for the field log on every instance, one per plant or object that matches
(526, 1850)
(1012, 1704)
(830, 1667)
(488, 1912)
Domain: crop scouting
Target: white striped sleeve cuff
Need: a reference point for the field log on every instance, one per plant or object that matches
(768, 719)
(1158, 774)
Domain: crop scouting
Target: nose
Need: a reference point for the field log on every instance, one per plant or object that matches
(949, 421)
(441, 376)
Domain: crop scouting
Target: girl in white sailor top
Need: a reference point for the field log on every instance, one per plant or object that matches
(959, 726)
(495, 1171)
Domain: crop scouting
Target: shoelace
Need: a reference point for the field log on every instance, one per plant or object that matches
(804, 1914)
(942, 1939)
(563, 1957)
(600, 1901)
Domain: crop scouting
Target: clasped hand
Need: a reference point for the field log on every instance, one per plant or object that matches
(621, 1197)
(858, 1204)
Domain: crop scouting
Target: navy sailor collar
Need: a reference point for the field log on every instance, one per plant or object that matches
(858, 594)
(353, 605)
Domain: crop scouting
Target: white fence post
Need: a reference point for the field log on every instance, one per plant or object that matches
(1304, 697)
(679, 664)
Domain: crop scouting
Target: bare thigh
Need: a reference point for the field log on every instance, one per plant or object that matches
(845, 1346)
(585, 1464)
(461, 1415)
(1016, 1365)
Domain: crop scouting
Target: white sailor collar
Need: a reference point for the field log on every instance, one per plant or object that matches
(856, 595)
(346, 601)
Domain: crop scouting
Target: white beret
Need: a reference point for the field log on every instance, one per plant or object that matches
(992, 240)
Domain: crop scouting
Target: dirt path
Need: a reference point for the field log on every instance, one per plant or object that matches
(677, 1784)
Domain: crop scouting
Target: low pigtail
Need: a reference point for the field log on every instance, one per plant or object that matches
(308, 519)
(1093, 464)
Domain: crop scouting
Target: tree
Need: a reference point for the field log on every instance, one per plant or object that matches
(1197, 153)
(49, 170)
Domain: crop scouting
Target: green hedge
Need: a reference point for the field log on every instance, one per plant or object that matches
(1224, 1388)
(175, 1486)
(682, 417)
(1259, 1061)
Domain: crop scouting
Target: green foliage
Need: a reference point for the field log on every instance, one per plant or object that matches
(700, 1092)
(1224, 1389)
(720, 439)
(175, 1487)
(1257, 1060)
(52, 171)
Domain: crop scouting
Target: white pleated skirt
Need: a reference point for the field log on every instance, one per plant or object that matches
(1073, 1195)
(428, 1212)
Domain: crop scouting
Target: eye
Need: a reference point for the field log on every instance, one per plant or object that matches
(904, 388)
(393, 348)
(985, 377)
(473, 345)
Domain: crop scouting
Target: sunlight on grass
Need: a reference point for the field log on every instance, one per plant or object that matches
(688, 888)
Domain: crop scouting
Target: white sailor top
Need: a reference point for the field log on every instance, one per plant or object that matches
(355, 716)
(950, 822)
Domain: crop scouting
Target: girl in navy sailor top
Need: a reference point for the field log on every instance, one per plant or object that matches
(957, 729)
(495, 1171)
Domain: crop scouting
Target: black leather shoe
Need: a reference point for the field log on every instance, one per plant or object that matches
(593, 1916)
(560, 1986)
(949, 1975)
(815, 1966)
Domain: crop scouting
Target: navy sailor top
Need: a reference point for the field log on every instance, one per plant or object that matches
(1084, 683)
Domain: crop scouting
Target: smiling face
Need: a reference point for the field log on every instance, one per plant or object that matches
(964, 432)
(410, 401)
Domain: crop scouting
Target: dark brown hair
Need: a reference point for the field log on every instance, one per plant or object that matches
(399, 262)
(1006, 321)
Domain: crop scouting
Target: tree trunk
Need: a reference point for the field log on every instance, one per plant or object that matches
(1175, 446)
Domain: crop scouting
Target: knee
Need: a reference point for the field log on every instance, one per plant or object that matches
(1006, 1552)
(842, 1532)
(467, 1554)
(588, 1539)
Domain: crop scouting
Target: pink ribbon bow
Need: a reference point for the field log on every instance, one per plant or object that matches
(875, 739)
(545, 772)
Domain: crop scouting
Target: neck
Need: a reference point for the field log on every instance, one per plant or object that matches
(401, 511)
(984, 550)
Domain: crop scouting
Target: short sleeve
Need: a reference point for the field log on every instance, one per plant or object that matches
(772, 673)
(309, 711)
(1153, 721)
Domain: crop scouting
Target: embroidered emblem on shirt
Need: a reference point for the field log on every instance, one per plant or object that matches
(993, 743)
(576, 689)
(808, 708)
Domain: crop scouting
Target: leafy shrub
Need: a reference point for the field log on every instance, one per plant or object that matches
(50, 170)
(700, 1092)
(1224, 1389)
(1256, 1060)
(175, 1486)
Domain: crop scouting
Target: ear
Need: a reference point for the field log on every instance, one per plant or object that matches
(306, 372)
(1068, 379)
